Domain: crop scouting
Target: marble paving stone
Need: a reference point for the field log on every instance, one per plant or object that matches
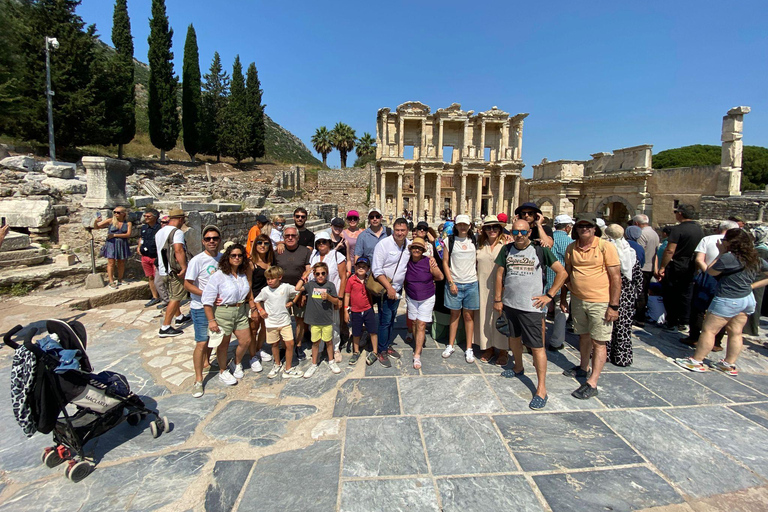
(455, 394)
(318, 464)
(755, 381)
(516, 393)
(556, 362)
(367, 397)
(487, 493)
(432, 363)
(644, 361)
(228, 479)
(617, 390)
(617, 490)
(755, 412)
(564, 440)
(730, 387)
(413, 494)
(671, 447)
(677, 389)
(732, 433)
(106, 490)
(258, 424)
(459, 445)
(323, 381)
(401, 454)
(402, 367)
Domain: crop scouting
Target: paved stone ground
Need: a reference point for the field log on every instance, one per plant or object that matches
(452, 436)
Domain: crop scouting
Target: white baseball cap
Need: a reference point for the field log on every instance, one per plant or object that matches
(561, 220)
(463, 219)
(600, 223)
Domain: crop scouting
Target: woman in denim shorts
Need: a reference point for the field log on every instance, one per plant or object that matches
(462, 292)
(737, 269)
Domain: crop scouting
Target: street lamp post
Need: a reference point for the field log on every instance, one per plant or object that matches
(51, 43)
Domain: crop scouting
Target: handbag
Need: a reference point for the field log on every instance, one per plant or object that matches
(374, 286)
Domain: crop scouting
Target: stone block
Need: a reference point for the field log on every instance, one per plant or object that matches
(64, 219)
(66, 186)
(63, 170)
(35, 176)
(65, 260)
(18, 163)
(60, 209)
(27, 213)
(196, 199)
(26, 257)
(255, 201)
(285, 193)
(167, 205)
(229, 207)
(106, 182)
(189, 206)
(142, 201)
(4, 152)
(14, 242)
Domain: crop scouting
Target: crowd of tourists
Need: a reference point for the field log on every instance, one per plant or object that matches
(497, 280)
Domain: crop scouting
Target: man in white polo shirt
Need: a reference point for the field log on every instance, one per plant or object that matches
(390, 259)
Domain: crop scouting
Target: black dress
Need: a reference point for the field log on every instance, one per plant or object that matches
(259, 281)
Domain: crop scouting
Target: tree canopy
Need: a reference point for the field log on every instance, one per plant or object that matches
(323, 143)
(235, 127)
(255, 110)
(191, 105)
(343, 137)
(163, 116)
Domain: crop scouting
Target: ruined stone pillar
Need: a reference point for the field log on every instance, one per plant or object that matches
(464, 150)
(518, 153)
(399, 205)
(437, 203)
(106, 182)
(481, 149)
(383, 191)
(479, 202)
(504, 141)
(420, 201)
(731, 153)
(401, 139)
(500, 198)
(440, 141)
(463, 196)
(515, 197)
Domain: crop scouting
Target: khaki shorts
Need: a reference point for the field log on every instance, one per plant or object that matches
(175, 287)
(275, 334)
(231, 319)
(589, 318)
(321, 332)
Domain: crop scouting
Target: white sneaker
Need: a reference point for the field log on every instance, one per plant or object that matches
(310, 371)
(227, 378)
(448, 351)
(197, 389)
(334, 367)
(469, 355)
(238, 373)
(256, 364)
(293, 373)
(265, 356)
(274, 371)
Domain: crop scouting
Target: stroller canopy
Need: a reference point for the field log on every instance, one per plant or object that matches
(72, 336)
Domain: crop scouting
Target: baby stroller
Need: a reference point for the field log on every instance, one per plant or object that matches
(55, 372)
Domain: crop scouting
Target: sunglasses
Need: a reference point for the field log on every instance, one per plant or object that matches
(279, 223)
(262, 242)
(320, 273)
(519, 232)
(116, 212)
(417, 248)
(238, 255)
(492, 228)
(290, 236)
(353, 219)
(212, 238)
(299, 216)
(374, 217)
(584, 226)
(528, 213)
(323, 241)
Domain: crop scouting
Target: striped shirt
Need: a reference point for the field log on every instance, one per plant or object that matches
(561, 242)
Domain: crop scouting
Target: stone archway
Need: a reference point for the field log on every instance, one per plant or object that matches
(615, 209)
(547, 207)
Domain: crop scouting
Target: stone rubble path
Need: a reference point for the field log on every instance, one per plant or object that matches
(451, 436)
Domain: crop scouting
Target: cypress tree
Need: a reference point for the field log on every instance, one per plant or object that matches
(161, 105)
(190, 95)
(255, 112)
(215, 92)
(123, 111)
(235, 125)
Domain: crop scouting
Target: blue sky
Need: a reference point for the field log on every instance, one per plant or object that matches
(594, 76)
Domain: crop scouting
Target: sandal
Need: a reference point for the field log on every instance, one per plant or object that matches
(416, 362)
(512, 373)
(538, 402)
(486, 355)
(502, 360)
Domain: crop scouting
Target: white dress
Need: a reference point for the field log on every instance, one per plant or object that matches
(486, 334)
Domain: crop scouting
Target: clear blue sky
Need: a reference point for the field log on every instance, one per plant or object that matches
(594, 76)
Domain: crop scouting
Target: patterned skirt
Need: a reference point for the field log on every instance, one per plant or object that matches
(620, 346)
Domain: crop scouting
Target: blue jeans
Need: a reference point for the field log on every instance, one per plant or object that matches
(387, 315)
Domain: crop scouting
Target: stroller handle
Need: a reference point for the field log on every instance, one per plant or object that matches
(28, 338)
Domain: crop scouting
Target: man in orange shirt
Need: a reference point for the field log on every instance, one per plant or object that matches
(594, 280)
(254, 233)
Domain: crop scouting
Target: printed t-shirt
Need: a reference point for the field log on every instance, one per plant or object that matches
(319, 311)
(293, 263)
(199, 270)
(358, 295)
(735, 282)
(589, 274)
(523, 273)
(160, 238)
(274, 300)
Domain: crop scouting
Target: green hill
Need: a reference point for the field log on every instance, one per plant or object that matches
(754, 162)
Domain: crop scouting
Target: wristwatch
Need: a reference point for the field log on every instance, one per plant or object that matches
(613, 307)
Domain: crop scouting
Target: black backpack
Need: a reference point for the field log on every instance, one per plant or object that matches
(452, 241)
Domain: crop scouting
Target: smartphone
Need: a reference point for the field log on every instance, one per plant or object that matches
(2, 222)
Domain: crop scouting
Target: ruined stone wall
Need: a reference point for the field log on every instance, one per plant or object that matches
(352, 177)
(345, 187)
(684, 184)
(750, 207)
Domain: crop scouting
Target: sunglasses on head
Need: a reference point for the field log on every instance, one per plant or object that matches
(519, 232)
(262, 242)
(212, 238)
(320, 273)
(236, 255)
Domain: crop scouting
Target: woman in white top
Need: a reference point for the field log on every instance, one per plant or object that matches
(462, 292)
(337, 274)
(225, 300)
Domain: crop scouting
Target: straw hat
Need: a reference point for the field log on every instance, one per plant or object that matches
(418, 242)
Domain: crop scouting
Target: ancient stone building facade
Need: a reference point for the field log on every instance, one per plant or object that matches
(618, 185)
(450, 159)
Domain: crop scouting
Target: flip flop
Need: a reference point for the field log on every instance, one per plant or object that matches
(512, 373)
(538, 402)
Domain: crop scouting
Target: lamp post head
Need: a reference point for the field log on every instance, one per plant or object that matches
(52, 42)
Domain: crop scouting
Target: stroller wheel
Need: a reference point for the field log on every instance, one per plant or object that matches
(51, 457)
(134, 419)
(166, 424)
(154, 429)
(78, 470)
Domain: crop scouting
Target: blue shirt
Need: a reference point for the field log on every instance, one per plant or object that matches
(367, 241)
(561, 241)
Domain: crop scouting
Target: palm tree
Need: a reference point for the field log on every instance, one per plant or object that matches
(365, 146)
(344, 139)
(323, 142)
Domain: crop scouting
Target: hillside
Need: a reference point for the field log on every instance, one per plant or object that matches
(754, 162)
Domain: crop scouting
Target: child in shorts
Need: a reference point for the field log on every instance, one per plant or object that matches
(358, 300)
(272, 304)
(321, 300)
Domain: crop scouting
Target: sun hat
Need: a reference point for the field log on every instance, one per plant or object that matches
(491, 220)
(527, 206)
(418, 242)
(374, 210)
(422, 225)
(463, 219)
(211, 227)
(590, 218)
(337, 222)
(176, 212)
(322, 235)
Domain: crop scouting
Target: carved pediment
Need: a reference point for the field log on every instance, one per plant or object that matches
(452, 112)
(494, 113)
(413, 108)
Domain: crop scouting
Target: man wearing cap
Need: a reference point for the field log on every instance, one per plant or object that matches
(200, 268)
(390, 261)
(594, 280)
(174, 281)
(561, 240)
(677, 268)
(148, 252)
(540, 234)
(254, 232)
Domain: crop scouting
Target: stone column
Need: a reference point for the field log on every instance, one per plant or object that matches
(383, 191)
(420, 201)
(440, 141)
(481, 149)
(500, 198)
(437, 204)
(106, 182)
(504, 141)
(399, 205)
(423, 140)
(515, 197)
(731, 153)
(463, 196)
(401, 139)
(479, 202)
(519, 141)
(464, 151)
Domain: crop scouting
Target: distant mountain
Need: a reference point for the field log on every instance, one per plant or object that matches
(282, 146)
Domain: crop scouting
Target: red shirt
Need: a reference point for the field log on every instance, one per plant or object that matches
(358, 295)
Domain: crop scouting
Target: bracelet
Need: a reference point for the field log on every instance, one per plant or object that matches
(498, 301)
(548, 295)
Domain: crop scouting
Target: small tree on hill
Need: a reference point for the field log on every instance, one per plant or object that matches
(344, 138)
(215, 93)
(191, 105)
(323, 143)
(235, 132)
(255, 112)
(161, 105)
